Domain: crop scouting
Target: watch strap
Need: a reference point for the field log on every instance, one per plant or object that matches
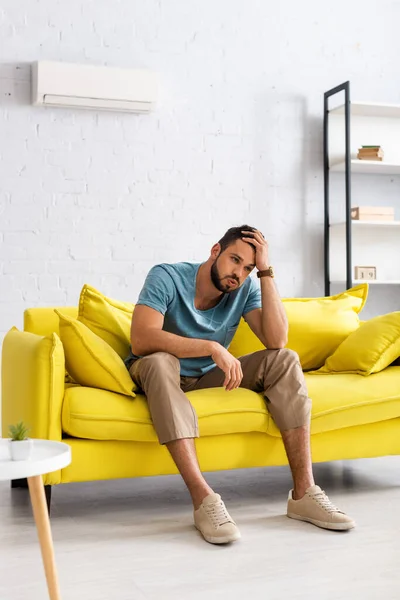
(266, 273)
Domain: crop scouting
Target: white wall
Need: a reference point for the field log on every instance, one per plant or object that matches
(236, 137)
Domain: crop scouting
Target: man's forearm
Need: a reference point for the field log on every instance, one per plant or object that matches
(156, 340)
(274, 320)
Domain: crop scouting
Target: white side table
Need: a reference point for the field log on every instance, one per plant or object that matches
(47, 456)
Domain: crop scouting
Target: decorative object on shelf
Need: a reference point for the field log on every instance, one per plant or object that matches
(372, 213)
(20, 445)
(367, 273)
(370, 153)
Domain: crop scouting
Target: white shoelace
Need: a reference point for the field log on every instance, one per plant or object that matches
(322, 499)
(217, 513)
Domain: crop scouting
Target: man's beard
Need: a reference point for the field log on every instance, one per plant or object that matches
(217, 280)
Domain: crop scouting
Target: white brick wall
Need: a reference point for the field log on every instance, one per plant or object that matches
(236, 137)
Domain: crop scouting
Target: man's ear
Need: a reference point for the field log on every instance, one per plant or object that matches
(215, 251)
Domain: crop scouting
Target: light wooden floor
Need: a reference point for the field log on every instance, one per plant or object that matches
(135, 540)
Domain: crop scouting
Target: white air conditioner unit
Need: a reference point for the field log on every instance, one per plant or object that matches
(96, 87)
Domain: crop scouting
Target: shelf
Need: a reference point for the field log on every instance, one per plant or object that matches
(373, 167)
(378, 281)
(369, 109)
(372, 281)
(358, 224)
(374, 242)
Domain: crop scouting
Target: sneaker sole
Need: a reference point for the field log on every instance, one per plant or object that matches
(323, 524)
(220, 540)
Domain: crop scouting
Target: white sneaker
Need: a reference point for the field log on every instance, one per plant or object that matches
(214, 522)
(316, 508)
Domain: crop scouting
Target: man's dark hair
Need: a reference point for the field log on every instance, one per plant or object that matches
(233, 234)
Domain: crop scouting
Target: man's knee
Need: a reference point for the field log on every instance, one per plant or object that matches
(288, 356)
(160, 362)
(284, 356)
(285, 373)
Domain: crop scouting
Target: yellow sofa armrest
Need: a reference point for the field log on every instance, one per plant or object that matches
(33, 375)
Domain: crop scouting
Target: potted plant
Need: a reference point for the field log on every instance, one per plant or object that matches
(20, 445)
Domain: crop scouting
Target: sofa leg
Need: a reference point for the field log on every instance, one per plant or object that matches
(47, 491)
(19, 483)
(23, 483)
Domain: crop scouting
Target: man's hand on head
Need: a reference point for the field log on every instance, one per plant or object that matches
(257, 239)
(230, 365)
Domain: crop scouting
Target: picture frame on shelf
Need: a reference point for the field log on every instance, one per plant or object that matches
(365, 273)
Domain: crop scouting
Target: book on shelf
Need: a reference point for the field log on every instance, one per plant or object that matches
(370, 153)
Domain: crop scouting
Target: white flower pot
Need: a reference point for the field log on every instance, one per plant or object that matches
(21, 450)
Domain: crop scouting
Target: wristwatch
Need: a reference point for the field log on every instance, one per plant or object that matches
(266, 273)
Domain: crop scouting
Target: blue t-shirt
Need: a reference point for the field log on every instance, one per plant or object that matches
(171, 288)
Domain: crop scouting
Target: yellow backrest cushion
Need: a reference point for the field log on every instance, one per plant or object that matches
(44, 321)
(91, 361)
(109, 319)
(316, 326)
(369, 349)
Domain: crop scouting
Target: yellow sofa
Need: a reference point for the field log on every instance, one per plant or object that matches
(111, 435)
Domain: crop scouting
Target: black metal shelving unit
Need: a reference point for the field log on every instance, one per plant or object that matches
(344, 87)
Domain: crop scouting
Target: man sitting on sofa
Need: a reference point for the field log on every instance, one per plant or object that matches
(182, 325)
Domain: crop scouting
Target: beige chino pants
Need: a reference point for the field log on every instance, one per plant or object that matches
(276, 373)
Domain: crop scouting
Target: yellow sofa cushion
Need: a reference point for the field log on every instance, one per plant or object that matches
(90, 360)
(339, 401)
(101, 415)
(109, 319)
(347, 400)
(369, 349)
(316, 326)
(44, 321)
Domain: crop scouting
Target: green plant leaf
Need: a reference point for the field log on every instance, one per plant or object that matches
(18, 432)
